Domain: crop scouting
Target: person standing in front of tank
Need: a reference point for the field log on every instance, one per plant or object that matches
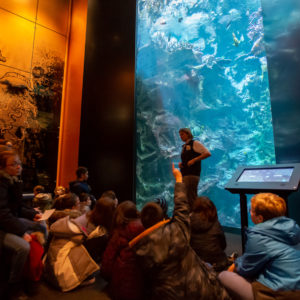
(193, 152)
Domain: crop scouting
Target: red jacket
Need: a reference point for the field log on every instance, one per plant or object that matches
(119, 265)
(34, 266)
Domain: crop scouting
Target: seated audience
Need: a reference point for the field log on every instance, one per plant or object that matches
(59, 190)
(207, 237)
(164, 252)
(42, 201)
(38, 189)
(119, 264)
(270, 265)
(65, 205)
(111, 194)
(85, 203)
(77, 246)
(17, 221)
(80, 185)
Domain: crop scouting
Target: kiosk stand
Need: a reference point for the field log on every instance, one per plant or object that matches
(280, 179)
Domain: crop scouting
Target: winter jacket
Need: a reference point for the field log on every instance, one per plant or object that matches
(12, 206)
(208, 241)
(272, 254)
(34, 266)
(68, 263)
(59, 214)
(175, 269)
(119, 264)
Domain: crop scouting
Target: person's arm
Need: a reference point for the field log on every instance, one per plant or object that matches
(255, 258)
(181, 214)
(176, 173)
(203, 153)
(8, 222)
(110, 256)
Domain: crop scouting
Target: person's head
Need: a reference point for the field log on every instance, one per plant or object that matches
(42, 200)
(111, 194)
(185, 134)
(82, 173)
(10, 163)
(38, 189)
(103, 212)
(151, 214)
(266, 206)
(205, 208)
(164, 205)
(67, 201)
(85, 198)
(59, 190)
(125, 212)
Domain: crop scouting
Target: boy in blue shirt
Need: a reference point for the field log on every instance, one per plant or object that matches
(270, 266)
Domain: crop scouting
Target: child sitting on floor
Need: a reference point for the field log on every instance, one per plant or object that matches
(85, 203)
(164, 252)
(76, 246)
(270, 266)
(207, 237)
(119, 264)
(65, 205)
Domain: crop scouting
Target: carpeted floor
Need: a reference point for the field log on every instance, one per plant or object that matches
(91, 292)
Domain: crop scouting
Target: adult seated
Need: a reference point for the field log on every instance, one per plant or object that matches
(17, 220)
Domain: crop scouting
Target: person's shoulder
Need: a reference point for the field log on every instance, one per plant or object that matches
(197, 142)
(6, 179)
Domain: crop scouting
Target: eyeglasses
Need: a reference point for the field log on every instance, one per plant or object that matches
(15, 164)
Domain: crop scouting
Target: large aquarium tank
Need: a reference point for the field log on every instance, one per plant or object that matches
(201, 64)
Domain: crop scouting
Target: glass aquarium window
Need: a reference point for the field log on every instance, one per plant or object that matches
(202, 65)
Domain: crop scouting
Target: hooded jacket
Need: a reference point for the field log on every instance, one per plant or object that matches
(119, 264)
(175, 270)
(68, 263)
(208, 241)
(272, 254)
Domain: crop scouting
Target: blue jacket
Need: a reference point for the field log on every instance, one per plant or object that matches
(272, 254)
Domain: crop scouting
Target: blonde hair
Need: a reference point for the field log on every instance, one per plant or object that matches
(268, 205)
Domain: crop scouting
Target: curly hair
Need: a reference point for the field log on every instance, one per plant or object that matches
(268, 205)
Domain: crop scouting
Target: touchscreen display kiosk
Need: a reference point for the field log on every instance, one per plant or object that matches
(270, 178)
(266, 175)
(280, 179)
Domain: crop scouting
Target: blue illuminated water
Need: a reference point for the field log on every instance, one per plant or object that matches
(201, 64)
